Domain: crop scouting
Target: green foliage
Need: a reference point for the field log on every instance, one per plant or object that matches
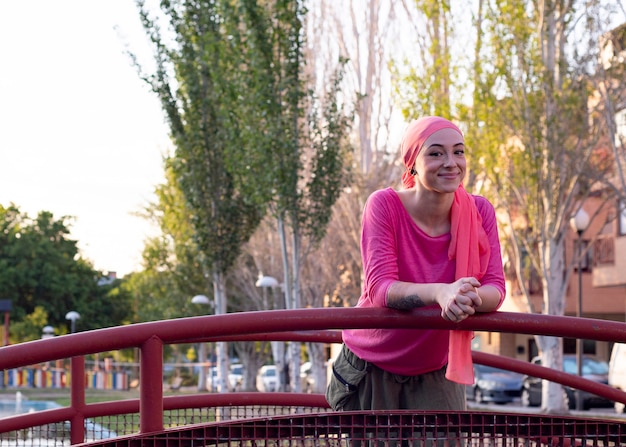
(172, 271)
(304, 148)
(539, 144)
(202, 109)
(427, 83)
(329, 164)
(30, 327)
(249, 137)
(42, 273)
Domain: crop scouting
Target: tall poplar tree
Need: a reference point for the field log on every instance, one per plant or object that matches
(248, 134)
(305, 138)
(200, 103)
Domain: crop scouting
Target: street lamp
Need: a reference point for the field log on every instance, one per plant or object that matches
(266, 282)
(579, 222)
(72, 316)
(202, 373)
(200, 299)
(47, 332)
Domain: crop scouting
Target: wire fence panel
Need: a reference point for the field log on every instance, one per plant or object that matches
(391, 429)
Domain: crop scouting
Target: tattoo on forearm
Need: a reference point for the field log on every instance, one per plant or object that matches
(407, 303)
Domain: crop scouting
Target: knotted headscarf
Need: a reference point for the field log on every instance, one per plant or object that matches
(414, 138)
(469, 243)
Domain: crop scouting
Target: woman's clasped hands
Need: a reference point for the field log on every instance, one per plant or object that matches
(459, 299)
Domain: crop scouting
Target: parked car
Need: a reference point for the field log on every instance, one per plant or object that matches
(211, 379)
(494, 385)
(592, 369)
(267, 378)
(235, 377)
(617, 372)
(307, 381)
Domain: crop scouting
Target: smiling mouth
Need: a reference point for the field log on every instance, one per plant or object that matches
(450, 176)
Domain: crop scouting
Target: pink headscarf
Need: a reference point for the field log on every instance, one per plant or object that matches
(414, 138)
(469, 243)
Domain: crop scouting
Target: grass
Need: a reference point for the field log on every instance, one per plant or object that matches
(62, 395)
(130, 423)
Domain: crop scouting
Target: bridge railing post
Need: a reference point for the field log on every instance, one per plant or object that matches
(77, 398)
(151, 386)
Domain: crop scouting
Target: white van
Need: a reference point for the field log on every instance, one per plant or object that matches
(617, 372)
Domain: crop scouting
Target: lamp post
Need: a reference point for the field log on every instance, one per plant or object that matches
(579, 223)
(278, 347)
(202, 373)
(72, 316)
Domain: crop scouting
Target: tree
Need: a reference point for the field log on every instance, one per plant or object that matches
(526, 127)
(172, 272)
(42, 273)
(202, 107)
(171, 262)
(307, 135)
(30, 327)
(530, 116)
(223, 139)
(432, 80)
(367, 35)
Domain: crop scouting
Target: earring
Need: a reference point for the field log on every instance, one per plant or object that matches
(413, 171)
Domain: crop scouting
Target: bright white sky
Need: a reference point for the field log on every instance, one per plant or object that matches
(80, 134)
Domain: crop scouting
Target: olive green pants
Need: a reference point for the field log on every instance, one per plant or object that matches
(359, 385)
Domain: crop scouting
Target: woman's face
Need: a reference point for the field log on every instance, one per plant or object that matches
(441, 163)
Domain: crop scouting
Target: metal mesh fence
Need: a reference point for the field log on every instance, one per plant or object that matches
(106, 427)
(398, 428)
(188, 416)
(41, 435)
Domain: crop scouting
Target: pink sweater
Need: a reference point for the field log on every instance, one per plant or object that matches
(394, 248)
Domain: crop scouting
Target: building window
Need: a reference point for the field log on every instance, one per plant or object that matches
(620, 124)
(622, 218)
(604, 250)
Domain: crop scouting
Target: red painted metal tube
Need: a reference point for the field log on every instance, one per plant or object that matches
(77, 429)
(230, 326)
(300, 324)
(151, 386)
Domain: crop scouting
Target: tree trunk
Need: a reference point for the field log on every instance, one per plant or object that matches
(317, 357)
(554, 302)
(280, 358)
(222, 351)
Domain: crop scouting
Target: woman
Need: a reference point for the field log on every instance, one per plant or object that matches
(430, 244)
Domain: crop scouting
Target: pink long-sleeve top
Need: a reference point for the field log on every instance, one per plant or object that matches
(394, 248)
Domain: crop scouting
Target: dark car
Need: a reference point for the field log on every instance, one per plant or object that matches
(592, 369)
(494, 385)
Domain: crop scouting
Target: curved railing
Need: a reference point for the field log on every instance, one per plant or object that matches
(318, 325)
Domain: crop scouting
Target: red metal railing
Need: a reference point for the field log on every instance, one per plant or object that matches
(317, 325)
